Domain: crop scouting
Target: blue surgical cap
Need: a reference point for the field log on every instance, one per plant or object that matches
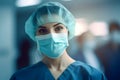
(47, 13)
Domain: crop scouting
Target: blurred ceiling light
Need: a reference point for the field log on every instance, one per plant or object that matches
(66, 0)
(99, 28)
(24, 3)
(81, 26)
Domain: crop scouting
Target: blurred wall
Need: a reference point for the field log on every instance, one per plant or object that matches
(7, 42)
(99, 12)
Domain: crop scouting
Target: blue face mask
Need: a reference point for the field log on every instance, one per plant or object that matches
(52, 45)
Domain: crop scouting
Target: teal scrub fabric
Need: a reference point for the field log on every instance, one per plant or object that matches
(75, 71)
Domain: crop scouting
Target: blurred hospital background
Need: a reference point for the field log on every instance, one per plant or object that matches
(96, 41)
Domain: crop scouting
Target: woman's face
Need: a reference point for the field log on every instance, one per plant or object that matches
(51, 28)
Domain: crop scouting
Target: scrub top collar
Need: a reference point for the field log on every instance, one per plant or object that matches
(50, 75)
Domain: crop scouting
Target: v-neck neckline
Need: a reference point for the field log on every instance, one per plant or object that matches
(51, 75)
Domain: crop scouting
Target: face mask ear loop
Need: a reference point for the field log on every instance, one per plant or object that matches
(38, 47)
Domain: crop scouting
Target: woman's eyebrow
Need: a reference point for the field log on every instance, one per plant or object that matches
(56, 24)
(42, 27)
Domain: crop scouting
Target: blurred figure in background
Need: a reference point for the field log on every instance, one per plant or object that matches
(83, 50)
(109, 54)
(24, 49)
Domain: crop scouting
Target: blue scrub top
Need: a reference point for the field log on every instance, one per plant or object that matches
(75, 71)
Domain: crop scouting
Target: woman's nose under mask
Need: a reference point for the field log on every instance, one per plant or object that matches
(52, 45)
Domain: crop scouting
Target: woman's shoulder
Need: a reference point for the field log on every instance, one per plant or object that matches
(81, 65)
(28, 72)
(88, 71)
(32, 68)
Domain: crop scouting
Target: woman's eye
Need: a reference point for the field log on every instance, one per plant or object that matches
(43, 31)
(59, 28)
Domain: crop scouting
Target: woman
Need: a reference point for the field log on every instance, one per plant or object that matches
(51, 26)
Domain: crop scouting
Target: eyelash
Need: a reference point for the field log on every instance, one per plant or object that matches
(59, 28)
(43, 31)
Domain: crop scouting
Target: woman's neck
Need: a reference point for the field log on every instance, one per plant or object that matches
(59, 63)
